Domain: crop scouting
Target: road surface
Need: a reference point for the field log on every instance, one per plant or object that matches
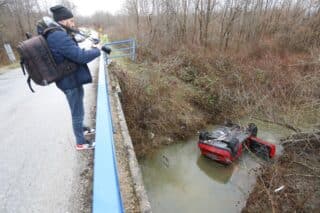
(40, 170)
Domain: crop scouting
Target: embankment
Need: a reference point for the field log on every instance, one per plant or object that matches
(292, 182)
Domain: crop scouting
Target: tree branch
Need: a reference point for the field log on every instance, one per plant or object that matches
(3, 3)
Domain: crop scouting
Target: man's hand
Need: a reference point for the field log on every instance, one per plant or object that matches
(94, 46)
(95, 40)
(106, 49)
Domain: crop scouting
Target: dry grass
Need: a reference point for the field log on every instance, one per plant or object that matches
(298, 171)
(176, 91)
(157, 108)
(6, 68)
(177, 94)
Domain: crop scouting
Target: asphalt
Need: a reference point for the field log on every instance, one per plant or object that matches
(40, 170)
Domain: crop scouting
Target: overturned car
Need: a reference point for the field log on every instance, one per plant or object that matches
(226, 143)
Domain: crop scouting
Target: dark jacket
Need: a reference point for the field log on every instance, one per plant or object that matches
(63, 47)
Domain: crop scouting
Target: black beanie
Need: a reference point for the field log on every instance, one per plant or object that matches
(60, 13)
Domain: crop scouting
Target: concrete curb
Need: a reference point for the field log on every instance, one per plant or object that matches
(135, 171)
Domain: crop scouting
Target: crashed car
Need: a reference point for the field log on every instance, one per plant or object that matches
(226, 143)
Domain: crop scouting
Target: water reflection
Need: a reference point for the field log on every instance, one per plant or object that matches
(179, 179)
(216, 171)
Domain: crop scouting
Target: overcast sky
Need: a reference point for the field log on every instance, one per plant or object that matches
(88, 7)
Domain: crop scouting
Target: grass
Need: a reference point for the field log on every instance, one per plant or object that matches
(173, 97)
(172, 94)
(157, 106)
(9, 67)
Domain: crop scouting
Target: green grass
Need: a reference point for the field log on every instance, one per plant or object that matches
(104, 38)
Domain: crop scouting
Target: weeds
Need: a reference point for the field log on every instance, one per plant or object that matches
(297, 172)
(179, 95)
(156, 108)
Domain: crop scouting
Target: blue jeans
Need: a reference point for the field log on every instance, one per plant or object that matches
(75, 100)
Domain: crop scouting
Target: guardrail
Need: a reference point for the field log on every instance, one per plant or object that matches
(127, 48)
(106, 190)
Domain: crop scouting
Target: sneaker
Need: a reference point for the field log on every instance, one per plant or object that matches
(88, 145)
(88, 131)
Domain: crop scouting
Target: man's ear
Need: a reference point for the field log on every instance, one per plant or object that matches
(62, 22)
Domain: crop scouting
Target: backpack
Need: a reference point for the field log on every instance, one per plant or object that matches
(37, 60)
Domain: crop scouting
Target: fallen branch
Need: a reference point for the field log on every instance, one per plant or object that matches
(297, 130)
(302, 164)
(303, 175)
(303, 64)
(305, 135)
(292, 141)
(302, 137)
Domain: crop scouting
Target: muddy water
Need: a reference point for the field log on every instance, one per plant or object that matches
(179, 179)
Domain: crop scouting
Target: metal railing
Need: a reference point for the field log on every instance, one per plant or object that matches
(106, 190)
(124, 48)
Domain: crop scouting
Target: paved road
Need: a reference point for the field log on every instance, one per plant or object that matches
(39, 166)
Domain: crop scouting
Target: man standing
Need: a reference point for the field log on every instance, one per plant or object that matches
(64, 47)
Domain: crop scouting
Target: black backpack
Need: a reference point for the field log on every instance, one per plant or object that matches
(37, 60)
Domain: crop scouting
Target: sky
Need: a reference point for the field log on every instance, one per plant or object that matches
(88, 7)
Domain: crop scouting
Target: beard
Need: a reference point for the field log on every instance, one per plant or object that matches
(70, 29)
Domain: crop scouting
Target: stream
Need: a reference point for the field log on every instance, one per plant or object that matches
(178, 179)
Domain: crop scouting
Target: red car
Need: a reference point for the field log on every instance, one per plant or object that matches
(225, 144)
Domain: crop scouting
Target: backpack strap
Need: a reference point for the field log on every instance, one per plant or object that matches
(22, 67)
(24, 73)
(29, 84)
(48, 30)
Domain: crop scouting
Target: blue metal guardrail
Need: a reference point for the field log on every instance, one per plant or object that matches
(127, 48)
(106, 191)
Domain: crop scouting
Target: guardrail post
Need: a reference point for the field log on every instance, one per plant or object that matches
(124, 51)
(133, 50)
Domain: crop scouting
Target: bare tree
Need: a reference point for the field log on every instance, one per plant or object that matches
(132, 7)
(69, 4)
(3, 3)
(166, 24)
(210, 4)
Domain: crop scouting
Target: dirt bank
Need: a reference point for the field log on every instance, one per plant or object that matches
(128, 194)
(171, 99)
(292, 182)
(158, 107)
